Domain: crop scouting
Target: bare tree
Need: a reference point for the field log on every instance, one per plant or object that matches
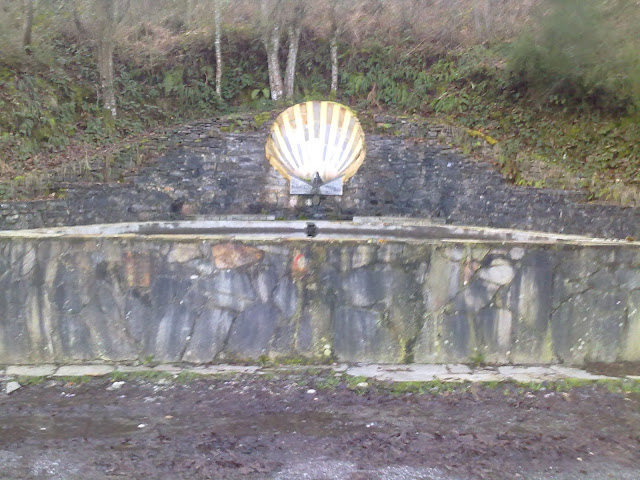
(294, 29)
(334, 63)
(335, 34)
(109, 13)
(218, 44)
(190, 6)
(80, 27)
(338, 15)
(106, 26)
(482, 15)
(270, 26)
(27, 24)
(275, 17)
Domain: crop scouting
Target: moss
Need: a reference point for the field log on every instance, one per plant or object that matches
(24, 381)
(261, 118)
(147, 375)
(75, 379)
(329, 383)
(546, 355)
(478, 359)
(475, 133)
(189, 376)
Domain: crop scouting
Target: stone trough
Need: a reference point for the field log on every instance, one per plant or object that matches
(367, 290)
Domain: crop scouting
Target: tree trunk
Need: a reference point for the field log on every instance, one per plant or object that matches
(482, 16)
(272, 44)
(476, 16)
(188, 15)
(290, 74)
(106, 27)
(81, 30)
(487, 15)
(218, 45)
(27, 25)
(334, 64)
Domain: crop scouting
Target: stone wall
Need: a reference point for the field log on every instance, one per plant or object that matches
(204, 299)
(204, 169)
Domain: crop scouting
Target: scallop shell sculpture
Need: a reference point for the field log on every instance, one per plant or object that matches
(316, 146)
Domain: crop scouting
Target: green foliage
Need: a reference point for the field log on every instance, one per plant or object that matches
(478, 359)
(564, 99)
(376, 76)
(329, 382)
(575, 57)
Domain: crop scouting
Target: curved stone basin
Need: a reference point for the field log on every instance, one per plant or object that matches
(371, 290)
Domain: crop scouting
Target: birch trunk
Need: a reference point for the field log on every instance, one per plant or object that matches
(218, 45)
(270, 31)
(290, 73)
(476, 16)
(106, 27)
(27, 25)
(81, 30)
(334, 64)
(482, 15)
(189, 16)
(487, 14)
(272, 44)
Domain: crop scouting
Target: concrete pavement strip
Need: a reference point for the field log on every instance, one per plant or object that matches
(393, 373)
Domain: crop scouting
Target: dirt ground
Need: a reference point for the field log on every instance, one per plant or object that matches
(315, 425)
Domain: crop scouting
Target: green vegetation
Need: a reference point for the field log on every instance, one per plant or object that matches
(323, 379)
(329, 383)
(25, 381)
(145, 375)
(554, 84)
(423, 388)
(75, 380)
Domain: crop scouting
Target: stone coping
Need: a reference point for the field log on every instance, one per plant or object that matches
(382, 372)
(361, 228)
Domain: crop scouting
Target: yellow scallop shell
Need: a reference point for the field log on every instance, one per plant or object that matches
(316, 137)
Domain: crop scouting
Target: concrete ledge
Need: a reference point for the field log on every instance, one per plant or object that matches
(389, 373)
(83, 370)
(360, 228)
(31, 370)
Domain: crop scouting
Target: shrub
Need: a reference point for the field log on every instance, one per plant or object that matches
(578, 53)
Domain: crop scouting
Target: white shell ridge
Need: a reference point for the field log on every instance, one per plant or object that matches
(316, 137)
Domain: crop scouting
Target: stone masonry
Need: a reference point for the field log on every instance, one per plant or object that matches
(204, 170)
(202, 300)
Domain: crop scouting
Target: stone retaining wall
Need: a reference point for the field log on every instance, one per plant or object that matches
(204, 170)
(204, 299)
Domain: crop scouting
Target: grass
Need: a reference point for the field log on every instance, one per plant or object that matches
(25, 381)
(188, 376)
(329, 383)
(146, 375)
(75, 380)
(323, 379)
(437, 387)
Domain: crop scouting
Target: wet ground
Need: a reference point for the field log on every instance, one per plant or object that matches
(316, 425)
